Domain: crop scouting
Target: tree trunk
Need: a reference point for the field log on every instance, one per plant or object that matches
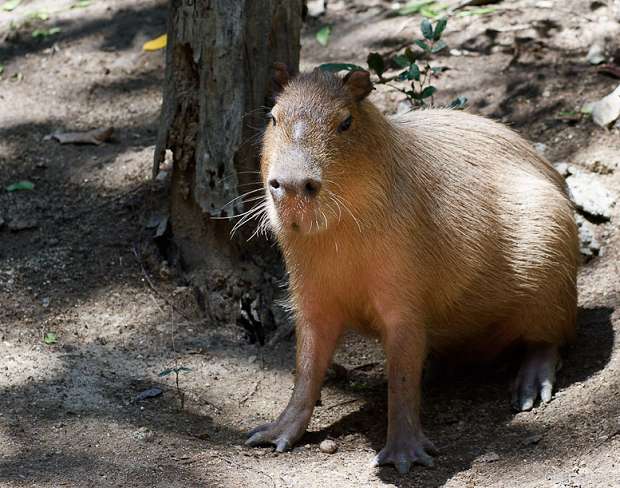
(218, 76)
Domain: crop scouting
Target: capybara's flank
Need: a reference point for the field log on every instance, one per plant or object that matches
(437, 231)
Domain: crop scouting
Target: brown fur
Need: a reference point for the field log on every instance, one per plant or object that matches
(452, 216)
(436, 230)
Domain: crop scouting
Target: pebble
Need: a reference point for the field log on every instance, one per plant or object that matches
(328, 446)
(144, 434)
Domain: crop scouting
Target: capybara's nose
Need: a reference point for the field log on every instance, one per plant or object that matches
(305, 187)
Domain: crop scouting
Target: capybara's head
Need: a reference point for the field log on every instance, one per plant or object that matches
(315, 149)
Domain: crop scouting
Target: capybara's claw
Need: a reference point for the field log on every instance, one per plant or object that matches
(270, 434)
(405, 453)
(536, 378)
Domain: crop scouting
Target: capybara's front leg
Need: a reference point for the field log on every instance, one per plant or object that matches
(316, 343)
(405, 348)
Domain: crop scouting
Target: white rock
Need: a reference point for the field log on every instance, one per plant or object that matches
(607, 109)
(596, 54)
(590, 195)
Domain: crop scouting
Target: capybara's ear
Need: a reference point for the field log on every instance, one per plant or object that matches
(280, 77)
(358, 84)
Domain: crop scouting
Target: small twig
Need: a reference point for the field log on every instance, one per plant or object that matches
(250, 393)
(340, 404)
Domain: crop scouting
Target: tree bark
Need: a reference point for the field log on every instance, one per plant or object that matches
(218, 75)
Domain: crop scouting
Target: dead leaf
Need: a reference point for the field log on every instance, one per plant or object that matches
(95, 136)
(156, 44)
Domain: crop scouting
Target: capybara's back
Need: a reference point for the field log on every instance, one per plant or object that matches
(494, 225)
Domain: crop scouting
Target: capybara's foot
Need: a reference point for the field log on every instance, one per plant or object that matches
(283, 433)
(404, 451)
(536, 377)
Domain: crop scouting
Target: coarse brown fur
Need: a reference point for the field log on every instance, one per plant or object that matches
(437, 230)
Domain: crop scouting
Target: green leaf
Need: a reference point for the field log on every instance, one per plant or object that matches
(81, 4)
(438, 46)
(477, 11)
(458, 103)
(10, 5)
(50, 338)
(410, 55)
(182, 369)
(43, 33)
(413, 73)
(421, 44)
(439, 69)
(322, 36)
(21, 185)
(414, 7)
(39, 15)
(165, 372)
(335, 67)
(401, 61)
(427, 29)
(428, 91)
(376, 63)
(439, 28)
(428, 12)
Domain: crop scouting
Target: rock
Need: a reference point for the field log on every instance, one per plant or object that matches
(607, 109)
(563, 168)
(150, 393)
(328, 446)
(596, 54)
(144, 434)
(22, 224)
(589, 245)
(489, 457)
(316, 8)
(589, 195)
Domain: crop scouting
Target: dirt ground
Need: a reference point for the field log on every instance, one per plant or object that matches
(68, 410)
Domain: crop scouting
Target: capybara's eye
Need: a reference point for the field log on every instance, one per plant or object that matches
(272, 117)
(345, 124)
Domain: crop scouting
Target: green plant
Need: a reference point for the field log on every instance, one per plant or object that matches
(176, 370)
(50, 338)
(417, 72)
(45, 33)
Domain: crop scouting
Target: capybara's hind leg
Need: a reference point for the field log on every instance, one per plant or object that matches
(536, 376)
